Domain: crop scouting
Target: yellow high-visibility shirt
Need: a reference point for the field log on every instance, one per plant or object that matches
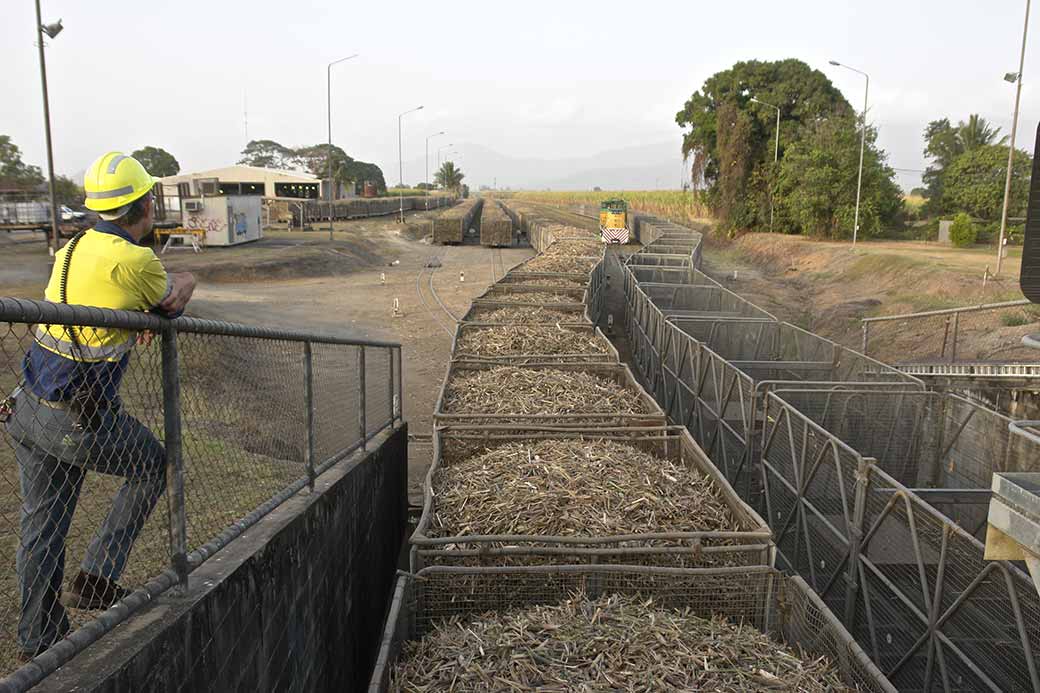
(108, 270)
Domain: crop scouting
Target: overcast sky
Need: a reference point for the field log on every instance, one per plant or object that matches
(531, 79)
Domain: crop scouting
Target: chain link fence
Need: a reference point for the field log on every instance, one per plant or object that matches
(195, 429)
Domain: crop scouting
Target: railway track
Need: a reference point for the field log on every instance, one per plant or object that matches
(429, 297)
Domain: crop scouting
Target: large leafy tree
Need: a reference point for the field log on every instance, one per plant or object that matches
(268, 154)
(449, 176)
(817, 183)
(346, 170)
(13, 171)
(974, 182)
(157, 161)
(944, 142)
(315, 160)
(802, 94)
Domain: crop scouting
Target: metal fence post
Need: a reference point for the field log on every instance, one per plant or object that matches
(390, 388)
(855, 529)
(361, 397)
(956, 329)
(308, 398)
(398, 401)
(866, 329)
(171, 386)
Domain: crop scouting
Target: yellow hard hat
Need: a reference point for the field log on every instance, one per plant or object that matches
(114, 180)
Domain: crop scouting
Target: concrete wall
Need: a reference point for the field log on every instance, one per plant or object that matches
(296, 603)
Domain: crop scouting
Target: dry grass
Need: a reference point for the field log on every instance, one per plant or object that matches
(516, 340)
(614, 643)
(575, 488)
(508, 390)
(528, 314)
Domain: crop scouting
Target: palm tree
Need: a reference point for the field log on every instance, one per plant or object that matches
(977, 132)
(449, 177)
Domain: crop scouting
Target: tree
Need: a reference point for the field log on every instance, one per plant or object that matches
(962, 231)
(945, 142)
(449, 177)
(13, 171)
(157, 161)
(345, 170)
(974, 182)
(68, 192)
(817, 183)
(741, 186)
(268, 154)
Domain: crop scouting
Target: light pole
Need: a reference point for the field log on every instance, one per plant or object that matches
(862, 144)
(427, 178)
(1011, 146)
(776, 153)
(328, 84)
(439, 150)
(52, 30)
(400, 165)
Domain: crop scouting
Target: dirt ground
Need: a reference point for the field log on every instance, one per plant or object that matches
(829, 287)
(301, 280)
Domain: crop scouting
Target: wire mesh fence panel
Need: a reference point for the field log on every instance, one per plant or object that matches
(103, 410)
(336, 399)
(58, 520)
(378, 389)
(909, 583)
(243, 418)
(928, 442)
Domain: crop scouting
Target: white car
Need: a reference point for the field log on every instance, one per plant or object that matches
(69, 214)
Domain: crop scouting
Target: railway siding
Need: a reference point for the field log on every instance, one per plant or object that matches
(451, 225)
(496, 227)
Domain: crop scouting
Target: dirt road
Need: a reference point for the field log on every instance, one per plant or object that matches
(341, 292)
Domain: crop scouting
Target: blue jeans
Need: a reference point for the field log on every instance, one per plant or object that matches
(54, 452)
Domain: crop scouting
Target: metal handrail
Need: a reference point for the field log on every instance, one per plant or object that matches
(949, 311)
(31, 311)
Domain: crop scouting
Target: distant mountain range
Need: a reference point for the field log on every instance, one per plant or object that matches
(643, 167)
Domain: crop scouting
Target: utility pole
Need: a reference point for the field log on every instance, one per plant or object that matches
(427, 178)
(52, 30)
(862, 146)
(1011, 146)
(328, 84)
(776, 154)
(400, 164)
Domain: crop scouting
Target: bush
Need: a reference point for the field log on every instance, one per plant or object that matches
(962, 231)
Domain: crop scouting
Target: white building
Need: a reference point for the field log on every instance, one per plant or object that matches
(246, 180)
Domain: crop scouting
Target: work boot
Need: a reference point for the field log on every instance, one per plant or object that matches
(92, 593)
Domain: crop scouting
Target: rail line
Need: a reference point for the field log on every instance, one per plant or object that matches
(432, 264)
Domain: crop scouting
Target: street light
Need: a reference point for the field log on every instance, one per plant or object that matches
(427, 178)
(862, 144)
(328, 81)
(776, 152)
(52, 30)
(439, 150)
(1011, 147)
(400, 165)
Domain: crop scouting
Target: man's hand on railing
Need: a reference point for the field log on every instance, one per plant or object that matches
(183, 286)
